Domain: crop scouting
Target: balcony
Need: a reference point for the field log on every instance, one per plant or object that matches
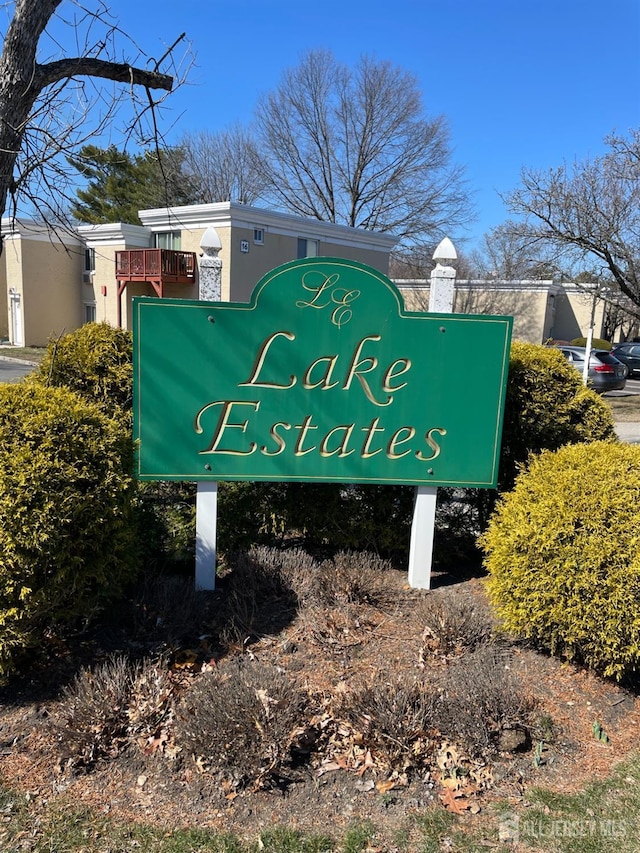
(156, 265)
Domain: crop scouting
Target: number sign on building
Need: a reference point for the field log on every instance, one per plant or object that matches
(322, 377)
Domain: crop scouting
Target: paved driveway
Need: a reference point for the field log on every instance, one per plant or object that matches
(629, 432)
(12, 370)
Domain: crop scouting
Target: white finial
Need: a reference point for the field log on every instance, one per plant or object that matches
(445, 251)
(210, 243)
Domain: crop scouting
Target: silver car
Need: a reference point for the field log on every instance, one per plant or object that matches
(606, 373)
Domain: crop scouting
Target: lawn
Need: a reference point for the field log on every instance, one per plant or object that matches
(35, 354)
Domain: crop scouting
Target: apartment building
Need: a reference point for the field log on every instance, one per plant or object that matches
(56, 281)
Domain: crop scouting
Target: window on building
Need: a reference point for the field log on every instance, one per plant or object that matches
(90, 312)
(168, 240)
(258, 236)
(307, 248)
(89, 260)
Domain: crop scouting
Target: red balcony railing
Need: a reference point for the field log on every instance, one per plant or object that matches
(163, 265)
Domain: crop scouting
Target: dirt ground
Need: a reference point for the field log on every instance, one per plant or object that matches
(326, 795)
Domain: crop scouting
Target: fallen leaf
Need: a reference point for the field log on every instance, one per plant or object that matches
(453, 801)
(328, 767)
(385, 785)
(448, 756)
(186, 659)
(368, 762)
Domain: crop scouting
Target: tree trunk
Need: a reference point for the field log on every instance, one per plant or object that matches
(23, 81)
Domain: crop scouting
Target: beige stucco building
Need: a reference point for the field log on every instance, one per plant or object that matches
(55, 282)
(541, 310)
(41, 275)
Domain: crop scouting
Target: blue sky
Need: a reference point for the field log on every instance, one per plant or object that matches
(521, 82)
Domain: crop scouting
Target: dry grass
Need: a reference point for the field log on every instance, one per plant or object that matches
(453, 626)
(107, 708)
(480, 698)
(91, 722)
(35, 354)
(258, 596)
(353, 577)
(237, 722)
(395, 720)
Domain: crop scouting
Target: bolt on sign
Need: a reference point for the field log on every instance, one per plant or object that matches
(322, 377)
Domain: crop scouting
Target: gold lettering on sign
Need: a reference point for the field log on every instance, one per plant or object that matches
(323, 287)
(398, 438)
(326, 295)
(371, 430)
(433, 444)
(225, 424)
(304, 428)
(358, 367)
(324, 381)
(279, 439)
(402, 365)
(341, 449)
(259, 363)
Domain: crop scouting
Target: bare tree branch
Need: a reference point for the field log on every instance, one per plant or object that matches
(353, 146)
(49, 109)
(587, 212)
(223, 166)
(82, 66)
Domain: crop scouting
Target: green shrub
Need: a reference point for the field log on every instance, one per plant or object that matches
(563, 558)
(166, 514)
(546, 407)
(66, 538)
(596, 343)
(324, 515)
(95, 361)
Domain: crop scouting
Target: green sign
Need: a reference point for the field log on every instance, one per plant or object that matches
(322, 377)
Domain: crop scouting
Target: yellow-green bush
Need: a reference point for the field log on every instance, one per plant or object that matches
(596, 343)
(563, 555)
(96, 362)
(546, 407)
(67, 542)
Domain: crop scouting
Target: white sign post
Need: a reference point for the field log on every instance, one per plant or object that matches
(441, 296)
(210, 290)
